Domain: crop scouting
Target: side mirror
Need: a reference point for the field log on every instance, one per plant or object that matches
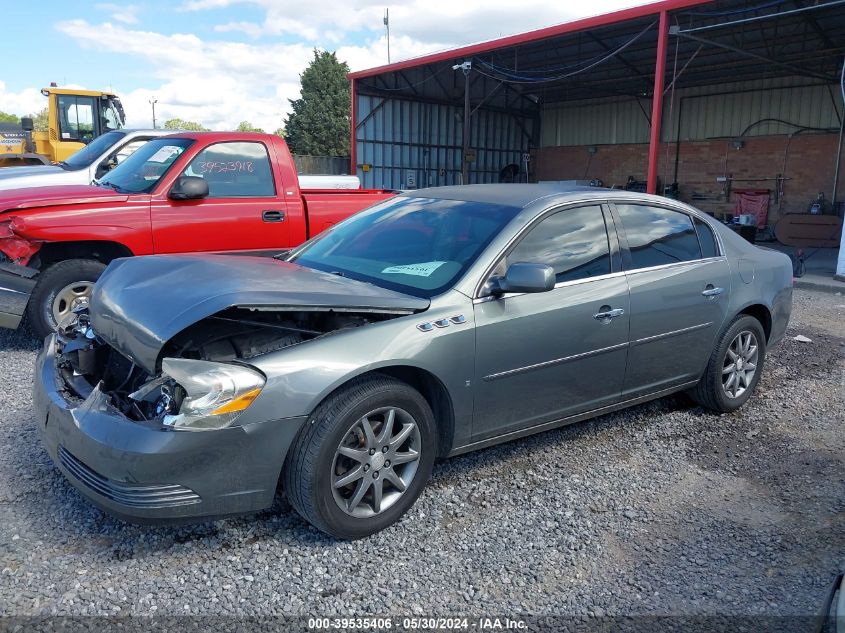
(27, 124)
(189, 188)
(524, 277)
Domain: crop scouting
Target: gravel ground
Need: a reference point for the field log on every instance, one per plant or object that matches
(661, 509)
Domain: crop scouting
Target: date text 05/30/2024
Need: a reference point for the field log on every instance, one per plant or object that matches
(417, 624)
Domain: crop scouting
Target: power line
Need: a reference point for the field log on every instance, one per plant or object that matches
(513, 77)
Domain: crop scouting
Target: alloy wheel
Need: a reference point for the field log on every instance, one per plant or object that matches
(740, 364)
(375, 462)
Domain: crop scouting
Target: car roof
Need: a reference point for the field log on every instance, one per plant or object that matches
(521, 195)
(157, 132)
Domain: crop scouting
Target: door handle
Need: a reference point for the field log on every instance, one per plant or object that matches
(273, 215)
(712, 292)
(607, 314)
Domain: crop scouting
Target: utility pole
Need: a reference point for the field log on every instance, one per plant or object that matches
(465, 67)
(387, 26)
(153, 103)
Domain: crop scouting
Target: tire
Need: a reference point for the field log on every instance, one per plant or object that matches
(51, 282)
(711, 391)
(315, 464)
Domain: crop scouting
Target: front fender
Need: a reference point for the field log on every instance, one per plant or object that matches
(300, 377)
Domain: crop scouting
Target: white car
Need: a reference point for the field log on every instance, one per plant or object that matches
(92, 161)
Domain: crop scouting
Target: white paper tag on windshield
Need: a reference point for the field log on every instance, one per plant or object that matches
(420, 270)
(164, 154)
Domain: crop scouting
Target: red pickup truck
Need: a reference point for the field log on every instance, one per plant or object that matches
(183, 193)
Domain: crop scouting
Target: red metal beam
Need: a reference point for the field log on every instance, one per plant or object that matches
(532, 36)
(353, 158)
(657, 100)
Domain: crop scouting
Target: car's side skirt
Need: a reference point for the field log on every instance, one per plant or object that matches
(547, 426)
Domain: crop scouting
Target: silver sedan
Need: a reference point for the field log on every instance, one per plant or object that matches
(438, 322)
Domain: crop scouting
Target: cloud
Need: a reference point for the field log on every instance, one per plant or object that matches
(249, 28)
(126, 13)
(426, 21)
(216, 83)
(27, 101)
(219, 82)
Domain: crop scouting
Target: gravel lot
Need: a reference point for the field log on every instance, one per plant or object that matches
(661, 509)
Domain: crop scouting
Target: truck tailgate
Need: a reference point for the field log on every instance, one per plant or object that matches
(325, 207)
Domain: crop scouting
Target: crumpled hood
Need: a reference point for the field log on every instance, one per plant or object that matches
(140, 303)
(33, 197)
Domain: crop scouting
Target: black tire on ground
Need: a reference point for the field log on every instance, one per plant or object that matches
(709, 391)
(39, 311)
(307, 473)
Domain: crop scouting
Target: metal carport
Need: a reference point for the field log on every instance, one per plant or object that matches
(733, 70)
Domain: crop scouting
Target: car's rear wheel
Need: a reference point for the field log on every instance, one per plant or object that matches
(61, 288)
(363, 457)
(734, 368)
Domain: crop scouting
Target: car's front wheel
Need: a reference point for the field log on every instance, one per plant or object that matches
(61, 288)
(734, 368)
(362, 458)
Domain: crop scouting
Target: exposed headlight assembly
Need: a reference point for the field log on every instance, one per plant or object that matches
(215, 393)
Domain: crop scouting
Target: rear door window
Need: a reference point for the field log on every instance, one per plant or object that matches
(658, 236)
(234, 170)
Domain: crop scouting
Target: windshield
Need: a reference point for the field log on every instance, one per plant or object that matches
(140, 172)
(419, 246)
(88, 154)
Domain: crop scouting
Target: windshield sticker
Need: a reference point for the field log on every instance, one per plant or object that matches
(420, 270)
(164, 154)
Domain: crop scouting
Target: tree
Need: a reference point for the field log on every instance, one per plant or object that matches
(246, 126)
(8, 118)
(280, 132)
(180, 124)
(319, 120)
(40, 120)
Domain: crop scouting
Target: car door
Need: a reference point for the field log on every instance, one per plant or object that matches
(680, 286)
(549, 355)
(241, 213)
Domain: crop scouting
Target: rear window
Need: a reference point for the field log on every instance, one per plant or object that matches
(658, 236)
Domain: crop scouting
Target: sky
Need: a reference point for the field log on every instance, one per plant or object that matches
(220, 62)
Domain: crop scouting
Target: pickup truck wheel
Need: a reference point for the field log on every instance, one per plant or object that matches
(734, 368)
(362, 458)
(60, 288)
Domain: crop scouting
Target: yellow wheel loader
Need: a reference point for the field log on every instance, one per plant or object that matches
(74, 119)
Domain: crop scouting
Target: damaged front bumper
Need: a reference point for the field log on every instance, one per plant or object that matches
(16, 284)
(146, 474)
